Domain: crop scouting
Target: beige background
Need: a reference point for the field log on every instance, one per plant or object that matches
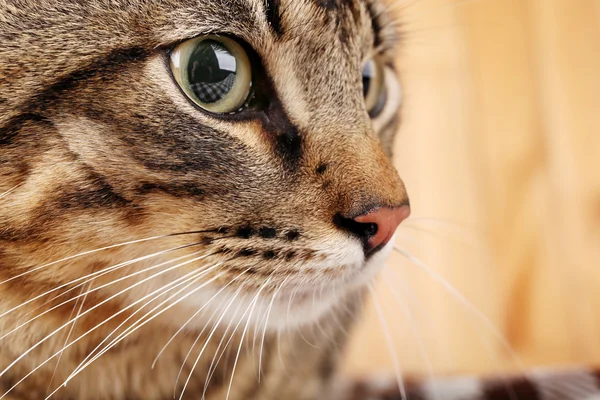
(500, 150)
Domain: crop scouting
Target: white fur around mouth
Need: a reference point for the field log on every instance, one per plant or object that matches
(293, 306)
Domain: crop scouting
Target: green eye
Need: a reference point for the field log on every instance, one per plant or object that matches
(374, 87)
(214, 72)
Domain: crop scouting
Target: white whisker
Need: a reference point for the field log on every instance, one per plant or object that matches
(9, 191)
(413, 328)
(220, 353)
(68, 336)
(154, 293)
(95, 290)
(192, 347)
(85, 253)
(210, 335)
(193, 317)
(262, 341)
(212, 370)
(465, 302)
(390, 343)
(96, 275)
(253, 304)
(335, 316)
(40, 342)
(188, 281)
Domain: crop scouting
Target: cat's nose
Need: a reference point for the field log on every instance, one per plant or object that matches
(376, 227)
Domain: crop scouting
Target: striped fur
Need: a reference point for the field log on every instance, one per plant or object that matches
(98, 146)
(104, 161)
(546, 384)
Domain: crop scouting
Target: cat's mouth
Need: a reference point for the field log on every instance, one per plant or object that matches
(301, 298)
(310, 301)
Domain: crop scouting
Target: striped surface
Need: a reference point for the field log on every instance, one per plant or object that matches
(539, 385)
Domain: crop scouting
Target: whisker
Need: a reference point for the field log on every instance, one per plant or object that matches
(464, 301)
(80, 368)
(413, 298)
(210, 335)
(299, 329)
(318, 322)
(193, 317)
(467, 239)
(114, 246)
(211, 369)
(244, 333)
(408, 314)
(388, 338)
(262, 342)
(196, 275)
(67, 338)
(279, 355)
(440, 221)
(193, 346)
(154, 293)
(94, 290)
(9, 191)
(220, 353)
(334, 313)
(40, 342)
(95, 275)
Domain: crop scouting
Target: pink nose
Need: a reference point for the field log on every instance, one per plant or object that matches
(385, 220)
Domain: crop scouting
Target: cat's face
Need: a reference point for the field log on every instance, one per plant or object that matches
(111, 138)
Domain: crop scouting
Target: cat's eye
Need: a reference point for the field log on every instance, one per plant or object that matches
(214, 72)
(374, 87)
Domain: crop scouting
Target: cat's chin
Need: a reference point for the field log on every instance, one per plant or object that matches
(290, 309)
(310, 305)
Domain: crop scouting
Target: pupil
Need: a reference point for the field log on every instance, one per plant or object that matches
(211, 71)
(367, 77)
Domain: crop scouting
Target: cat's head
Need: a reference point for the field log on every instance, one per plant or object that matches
(256, 134)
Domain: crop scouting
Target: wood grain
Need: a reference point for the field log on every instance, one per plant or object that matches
(500, 151)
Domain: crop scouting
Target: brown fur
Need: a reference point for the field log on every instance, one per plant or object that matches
(99, 147)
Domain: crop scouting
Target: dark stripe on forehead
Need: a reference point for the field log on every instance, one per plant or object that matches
(11, 128)
(376, 23)
(347, 15)
(107, 65)
(334, 4)
(272, 11)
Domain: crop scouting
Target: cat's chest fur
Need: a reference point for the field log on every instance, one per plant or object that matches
(296, 364)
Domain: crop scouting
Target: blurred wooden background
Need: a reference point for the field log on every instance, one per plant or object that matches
(500, 151)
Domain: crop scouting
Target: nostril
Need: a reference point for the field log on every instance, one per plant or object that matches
(376, 227)
(368, 229)
(363, 230)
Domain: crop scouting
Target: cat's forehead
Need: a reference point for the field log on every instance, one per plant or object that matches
(352, 24)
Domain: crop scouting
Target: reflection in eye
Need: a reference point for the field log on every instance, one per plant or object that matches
(214, 72)
(374, 87)
(211, 71)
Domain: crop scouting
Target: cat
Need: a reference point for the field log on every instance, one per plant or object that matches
(250, 139)
(194, 195)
